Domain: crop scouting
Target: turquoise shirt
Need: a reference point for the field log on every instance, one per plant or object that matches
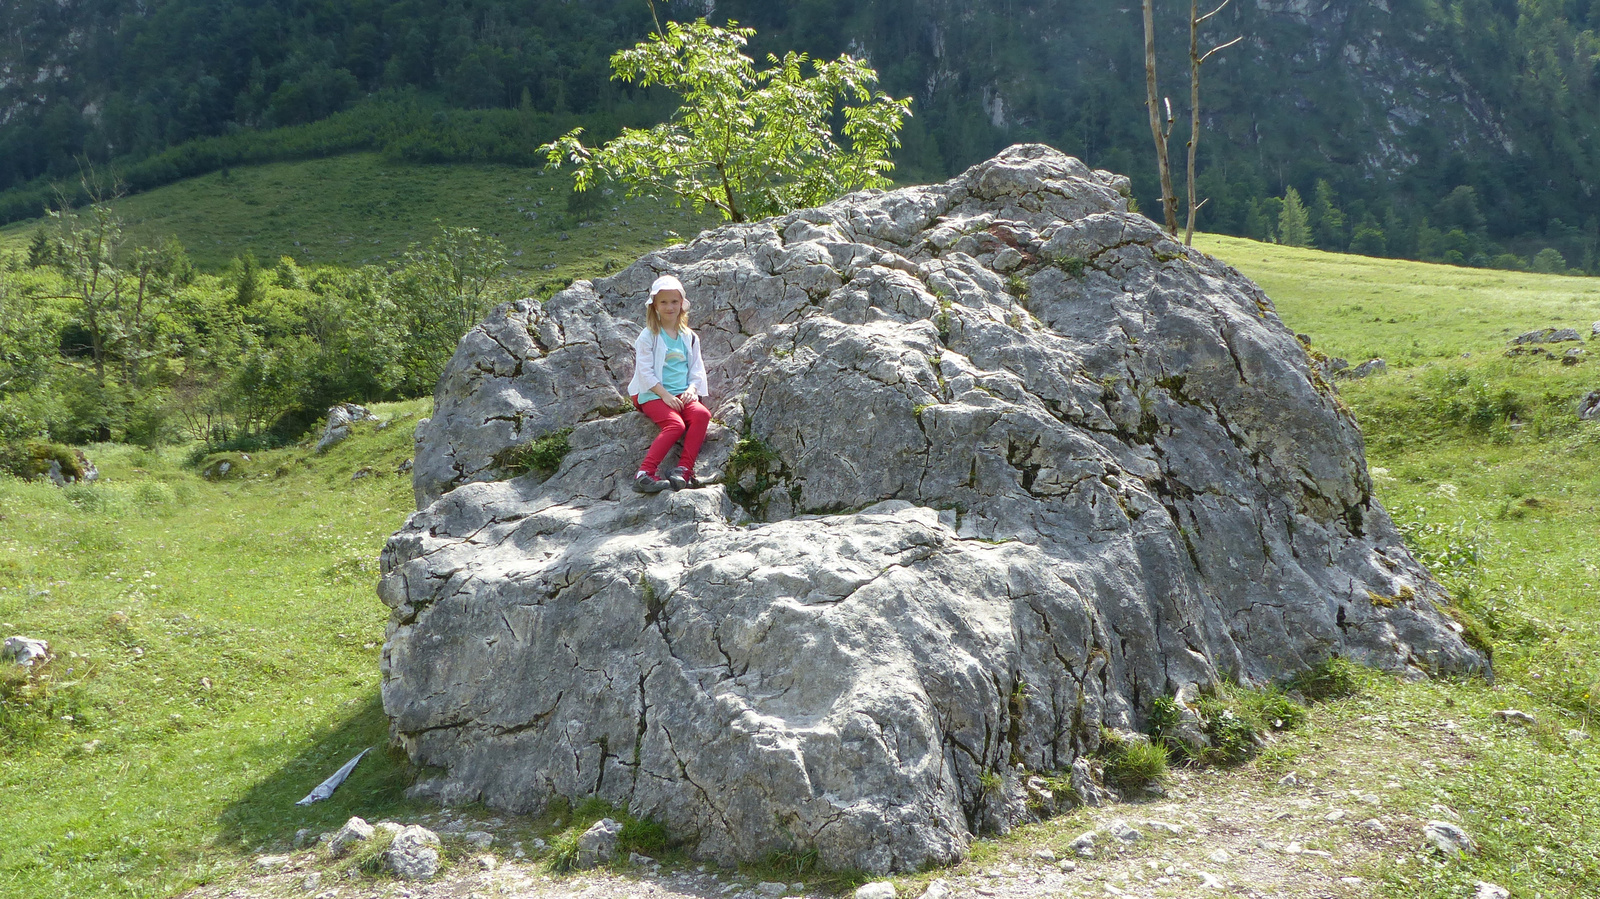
(675, 367)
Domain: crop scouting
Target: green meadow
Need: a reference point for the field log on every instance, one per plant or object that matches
(218, 640)
(361, 209)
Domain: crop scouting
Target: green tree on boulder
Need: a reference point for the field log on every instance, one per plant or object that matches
(747, 142)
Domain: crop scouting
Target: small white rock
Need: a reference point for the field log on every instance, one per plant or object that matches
(478, 839)
(939, 889)
(1221, 857)
(271, 862)
(1487, 890)
(769, 888)
(1209, 881)
(1289, 780)
(311, 882)
(1045, 855)
(1335, 815)
(883, 889)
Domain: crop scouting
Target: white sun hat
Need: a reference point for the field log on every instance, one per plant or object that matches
(665, 282)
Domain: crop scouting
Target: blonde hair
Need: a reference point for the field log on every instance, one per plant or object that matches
(653, 321)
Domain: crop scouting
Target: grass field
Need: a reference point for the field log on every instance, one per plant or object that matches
(361, 209)
(218, 641)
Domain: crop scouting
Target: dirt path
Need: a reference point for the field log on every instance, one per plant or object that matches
(1309, 820)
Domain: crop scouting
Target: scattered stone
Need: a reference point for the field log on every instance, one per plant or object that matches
(354, 831)
(769, 888)
(1045, 855)
(389, 827)
(1449, 839)
(1573, 356)
(598, 844)
(340, 418)
(478, 839)
(362, 472)
(1487, 890)
(1589, 406)
(1084, 786)
(1220, 856)
(25, 651)
(640, 861)
(1594, 331)
(414, 854)
(1125, 832)
(488, 862)
(1546, 335)
(1289, 780)
(939, 889)
(1084, 844)
(403, 467)
(1165, 827)
(1368, 368)
(1209, 881)
(883, 889)
(271, 862)
(1335, 815)
(1040, 794)
(311, 882)
(1444, 811)
(1373, 826)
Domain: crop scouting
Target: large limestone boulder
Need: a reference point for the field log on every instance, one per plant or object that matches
(1004, 465)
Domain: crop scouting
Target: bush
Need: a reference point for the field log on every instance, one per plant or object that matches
(1133, 763)
(1332, 678)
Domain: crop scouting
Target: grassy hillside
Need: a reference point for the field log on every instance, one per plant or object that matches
(218, 640)
(361, 209)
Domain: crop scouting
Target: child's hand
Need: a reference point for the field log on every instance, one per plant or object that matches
(673, 403)
(689, 396)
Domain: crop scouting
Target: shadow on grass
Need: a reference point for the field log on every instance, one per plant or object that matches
(267, 817)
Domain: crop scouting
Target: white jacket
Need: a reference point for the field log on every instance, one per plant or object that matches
(650, 358)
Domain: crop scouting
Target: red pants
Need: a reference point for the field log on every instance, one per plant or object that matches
(690, 424)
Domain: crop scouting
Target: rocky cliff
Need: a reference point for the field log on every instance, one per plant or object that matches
(1005, 464)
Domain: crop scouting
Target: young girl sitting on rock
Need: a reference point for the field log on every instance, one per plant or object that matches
(669, 380)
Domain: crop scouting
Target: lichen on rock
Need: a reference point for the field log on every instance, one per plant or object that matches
(1010, 465)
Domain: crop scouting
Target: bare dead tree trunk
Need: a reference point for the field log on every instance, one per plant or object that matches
(1158, 129)
(1195, 59)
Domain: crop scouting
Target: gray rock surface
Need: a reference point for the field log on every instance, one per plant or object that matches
(1364, 370)
(1589, 406)
(1547, 335)
(598, 844)
(976, 518)
(340, 418)
(1449, 838)
(355, 830)
(25, 651)
(414, 853)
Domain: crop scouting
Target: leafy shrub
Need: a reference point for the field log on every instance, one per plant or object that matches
(1332, 678)
(1233, 739)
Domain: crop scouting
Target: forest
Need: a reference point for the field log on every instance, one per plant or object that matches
(1464, 131)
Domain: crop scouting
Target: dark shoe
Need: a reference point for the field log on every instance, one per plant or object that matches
(682, 479)
(644, 482)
